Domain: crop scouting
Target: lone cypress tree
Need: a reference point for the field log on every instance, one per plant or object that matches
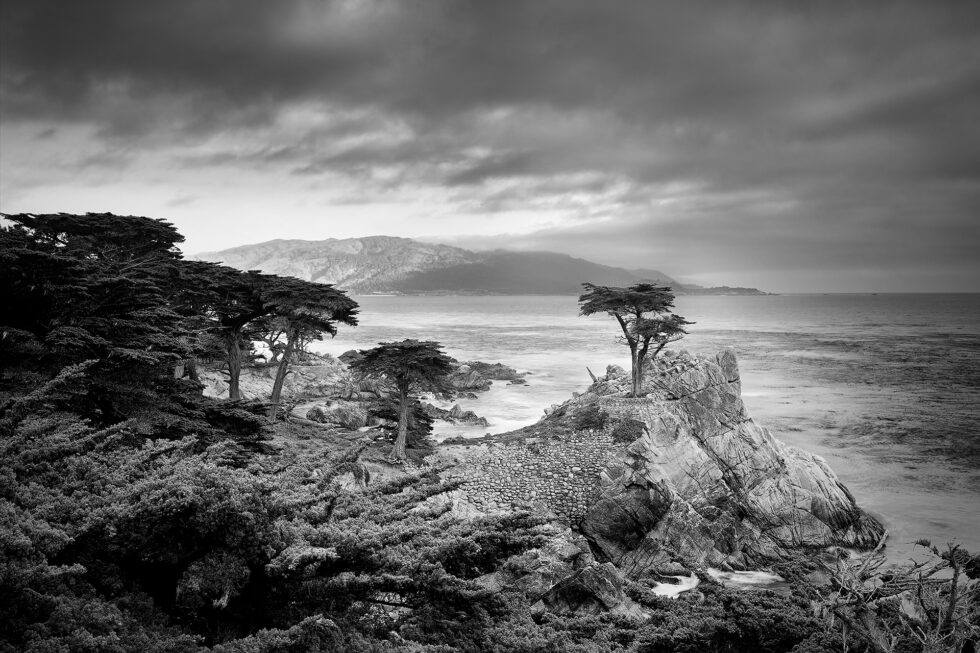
(643, 313)
(409, 365)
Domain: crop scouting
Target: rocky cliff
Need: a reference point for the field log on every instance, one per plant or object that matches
(679, 479)
(705, 483)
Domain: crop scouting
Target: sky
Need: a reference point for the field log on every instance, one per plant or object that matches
(795, 147)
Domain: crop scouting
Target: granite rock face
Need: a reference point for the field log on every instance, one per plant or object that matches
(465, 379)
(563, 576)
(455, 415)
(704, 484)
(596, 589)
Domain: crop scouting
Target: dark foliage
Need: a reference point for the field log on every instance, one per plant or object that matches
(590, 418)
(419, 422)
(408, 365)
(627, 430)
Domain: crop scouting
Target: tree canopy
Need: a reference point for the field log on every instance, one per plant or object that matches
(77, 289)
(303, 310)
(409, 365)
(114, 292)
(643, 312)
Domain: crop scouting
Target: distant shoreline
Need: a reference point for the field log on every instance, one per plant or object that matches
(491, 293)
(478, 293)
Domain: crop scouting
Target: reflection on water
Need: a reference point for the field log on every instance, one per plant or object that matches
(884, 387)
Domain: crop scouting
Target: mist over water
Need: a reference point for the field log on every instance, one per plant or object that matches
(883, 386)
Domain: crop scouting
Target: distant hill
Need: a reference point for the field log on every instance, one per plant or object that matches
(361, 265)
(512, 273)
(386, 264)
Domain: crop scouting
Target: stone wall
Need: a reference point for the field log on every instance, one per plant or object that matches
(560, 472)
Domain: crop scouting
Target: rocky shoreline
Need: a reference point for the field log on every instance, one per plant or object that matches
(698, 486)
(322, 389)
(662, 488)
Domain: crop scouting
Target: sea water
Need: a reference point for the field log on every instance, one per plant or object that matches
(884, 387)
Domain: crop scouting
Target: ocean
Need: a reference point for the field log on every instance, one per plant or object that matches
(884, 387)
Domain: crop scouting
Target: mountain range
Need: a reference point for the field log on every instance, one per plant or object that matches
(387, 264)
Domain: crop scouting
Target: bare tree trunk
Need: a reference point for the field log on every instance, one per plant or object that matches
(192, 370)
(234, 366)
(281, 372)
(947, 623)
(398, 451)
(637, 371)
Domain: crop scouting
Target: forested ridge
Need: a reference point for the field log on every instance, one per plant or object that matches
(138, 515)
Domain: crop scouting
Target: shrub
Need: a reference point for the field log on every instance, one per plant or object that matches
(627, 430)
(590, 418)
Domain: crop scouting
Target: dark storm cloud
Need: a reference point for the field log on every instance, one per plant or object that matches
(849, 125)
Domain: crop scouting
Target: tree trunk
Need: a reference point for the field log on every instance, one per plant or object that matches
(234, 366)
(398, 451)
(192, 370)
(637, 371)
(640, 355)
(281, 372)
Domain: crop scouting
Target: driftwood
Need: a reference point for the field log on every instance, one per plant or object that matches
(940, 613)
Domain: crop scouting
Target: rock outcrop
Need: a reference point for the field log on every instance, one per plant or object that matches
(700, 485)
(594, 589)
(464, 379)
(564, 576)
(656, 489)
(497, 372)
(704, 483)
(455, 415)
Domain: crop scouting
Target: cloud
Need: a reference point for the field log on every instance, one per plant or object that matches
(833, 135)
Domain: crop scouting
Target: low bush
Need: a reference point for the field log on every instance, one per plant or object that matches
(590, 418)
(628, 430)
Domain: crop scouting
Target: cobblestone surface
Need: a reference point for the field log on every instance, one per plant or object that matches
(560, 472)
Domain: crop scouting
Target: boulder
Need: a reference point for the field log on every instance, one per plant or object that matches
(536, 571)
(455, 415)
(496, 371)
(350, 356)
(594, 589)
(464, 380)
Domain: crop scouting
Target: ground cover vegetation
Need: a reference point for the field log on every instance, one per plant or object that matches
(138, 515)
